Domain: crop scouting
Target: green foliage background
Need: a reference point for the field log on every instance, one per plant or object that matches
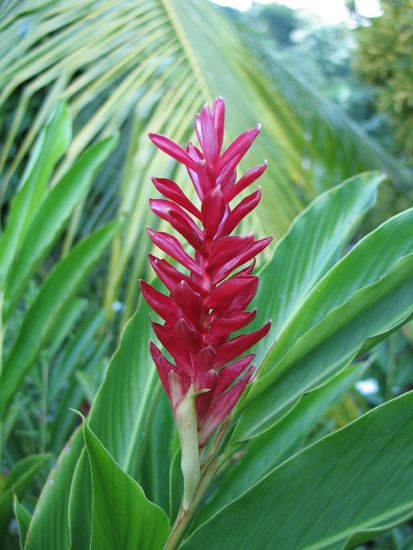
(384, 58)
(79, 90)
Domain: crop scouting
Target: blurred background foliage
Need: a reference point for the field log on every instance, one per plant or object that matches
(384, 59)
(334, 100)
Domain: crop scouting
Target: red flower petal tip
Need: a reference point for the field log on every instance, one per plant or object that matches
(206, 304)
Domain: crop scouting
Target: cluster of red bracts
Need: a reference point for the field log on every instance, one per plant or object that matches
(206, 305)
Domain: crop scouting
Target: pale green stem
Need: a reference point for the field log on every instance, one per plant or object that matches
(185, 516)
(212, 463)
(186, 422)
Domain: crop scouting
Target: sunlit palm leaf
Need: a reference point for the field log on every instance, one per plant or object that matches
(149, 65)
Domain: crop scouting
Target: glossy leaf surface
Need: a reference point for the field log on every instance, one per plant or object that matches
(122, 516)
(367, 293)
(353, 479)
(309, 249)
(264, 452)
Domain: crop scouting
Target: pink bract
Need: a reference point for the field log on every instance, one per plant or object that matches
(204, 306)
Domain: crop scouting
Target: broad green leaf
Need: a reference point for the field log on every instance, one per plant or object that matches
(50, 146)
(49, 526)
(122, 517)
(372, 342)
(118, 417)
(331, 344)
(61, 285)
(16, 483)
(367, 264)
(23, 519)
(53, 214)
(267, 450)
(308, 250)
(79, 505)
(154, 473)
(355, 479)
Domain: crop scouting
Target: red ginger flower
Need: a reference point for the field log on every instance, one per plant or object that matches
(205, 306)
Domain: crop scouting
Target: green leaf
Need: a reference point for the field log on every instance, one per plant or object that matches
(364, 295)
(354, 479)
(118, 417)
(123, 518)
(267, 450)
(50, 146)
(23, 520)
(67, 320)
(61, 285)
(80, 504)
(74, 395)
(332, 344)
(157, 454)
(49, 526)
(365, 264)
(53, 214)
(365, 535)
(17, 483)
(311, 246)
(82, 340)
(169, 55)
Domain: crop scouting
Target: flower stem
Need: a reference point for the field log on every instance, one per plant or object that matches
(186, 423)
(212, 463)
(185, 516)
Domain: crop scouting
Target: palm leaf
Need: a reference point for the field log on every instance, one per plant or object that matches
(150, 65)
